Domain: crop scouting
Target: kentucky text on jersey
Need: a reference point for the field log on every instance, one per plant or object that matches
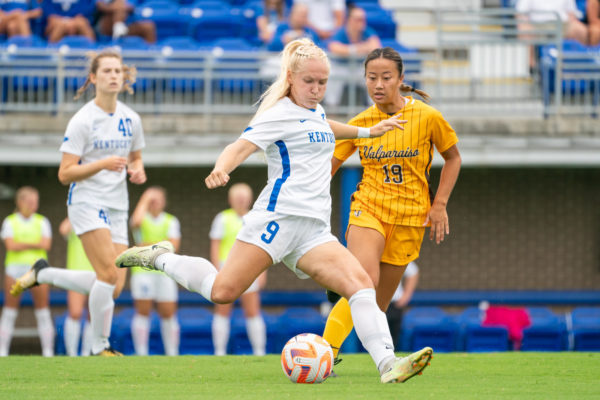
(380, 153)
(321, 137)
(112, 144)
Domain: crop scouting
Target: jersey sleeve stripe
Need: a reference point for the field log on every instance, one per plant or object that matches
(285, 161)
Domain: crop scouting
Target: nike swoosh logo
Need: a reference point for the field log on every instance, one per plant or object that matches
(302, 120)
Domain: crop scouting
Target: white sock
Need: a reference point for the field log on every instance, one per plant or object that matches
(372, 327)
(140, 333)
(45, 330)
(77, 281)
(257, 334)
(7, 327)
(101, 306)
(86, 339)
(196, 274)
(169, 331)
(72, 333)
(220, 334)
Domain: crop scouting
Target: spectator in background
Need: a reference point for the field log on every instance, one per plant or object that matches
(400, 300)
(325, 16)
(269, 16)
(355, 39)
(593, 17)
(150, 224)
(68, 18)
(76, 302)
(223, 233)
(541, 13)
(27, 236)
(296, 28)
(15, 16)
(115, 20)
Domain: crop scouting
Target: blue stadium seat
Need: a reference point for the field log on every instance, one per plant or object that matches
(121, 333)
(166, 16)
(578, 59)
(547, 332)
(296, 320)
(238, 338)
(211, 5)
(420, 324)
(24, 54)
(214, 24)
(178, 49)
(59, 326)
(233, 67)
(476, 338)
(196, 330)
(379, 19)
(586, 328)
(247, 14)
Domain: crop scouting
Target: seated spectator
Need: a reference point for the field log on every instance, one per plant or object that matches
(593, 16)
(355, 39)
(296, 27)
(68, 18)
(15, 16)
(325, 16)
(268, 17)
(541, 12)
(116, 20)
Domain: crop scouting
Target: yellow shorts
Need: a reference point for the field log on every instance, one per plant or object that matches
(402, 243)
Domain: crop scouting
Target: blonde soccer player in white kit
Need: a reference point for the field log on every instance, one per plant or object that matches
(101, 146)
(289, 221)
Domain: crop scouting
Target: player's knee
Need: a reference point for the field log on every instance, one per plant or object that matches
(108, 275)
(223, 295)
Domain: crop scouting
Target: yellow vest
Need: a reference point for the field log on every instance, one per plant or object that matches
(232, 224)
(76, 257)
(151, 232)
(29, 231)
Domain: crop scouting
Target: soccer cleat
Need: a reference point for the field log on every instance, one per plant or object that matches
(336, 361)
(109, 352)
(143, 256)
(405, 368)
(29, 278)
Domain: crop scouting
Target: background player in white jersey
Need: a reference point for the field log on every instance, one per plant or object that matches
(290, 220)
(102, 145)
(223, 232)
(27, 237)
(151, 224)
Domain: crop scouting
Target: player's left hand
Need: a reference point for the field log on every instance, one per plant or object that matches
(440, 226)
(216, 179)
(137, 176)
(388, 125)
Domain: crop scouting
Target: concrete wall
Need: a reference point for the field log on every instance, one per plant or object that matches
(511, 228)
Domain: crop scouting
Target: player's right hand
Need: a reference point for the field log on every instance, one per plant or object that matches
(115, 163)
(217, 178)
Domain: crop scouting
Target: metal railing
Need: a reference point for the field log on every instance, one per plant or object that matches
(481, 67)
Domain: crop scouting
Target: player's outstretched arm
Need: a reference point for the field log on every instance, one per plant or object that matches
(233, 155)
(345, 131)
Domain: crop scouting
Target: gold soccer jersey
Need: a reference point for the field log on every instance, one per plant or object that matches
(395, 183)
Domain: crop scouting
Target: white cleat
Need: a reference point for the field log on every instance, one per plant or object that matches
(405, 368)
(143, 256)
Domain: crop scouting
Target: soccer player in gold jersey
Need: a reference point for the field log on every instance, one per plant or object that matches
(393, 203)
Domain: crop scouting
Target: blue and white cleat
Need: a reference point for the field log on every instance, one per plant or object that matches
(143, 256)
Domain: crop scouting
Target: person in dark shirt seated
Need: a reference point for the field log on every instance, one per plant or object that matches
(296, 27)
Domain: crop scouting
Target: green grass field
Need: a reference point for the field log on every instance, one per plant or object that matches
(450, 376)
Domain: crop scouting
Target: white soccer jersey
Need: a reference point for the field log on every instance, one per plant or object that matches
(298, 144)
(93, 134)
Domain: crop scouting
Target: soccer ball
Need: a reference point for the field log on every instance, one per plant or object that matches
(307, 358)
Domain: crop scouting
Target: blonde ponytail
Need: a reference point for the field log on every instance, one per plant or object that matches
(292, 56)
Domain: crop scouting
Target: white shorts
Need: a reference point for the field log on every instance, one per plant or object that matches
(88, 217)
(153, 286)
(16, 271)
(285, 237)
